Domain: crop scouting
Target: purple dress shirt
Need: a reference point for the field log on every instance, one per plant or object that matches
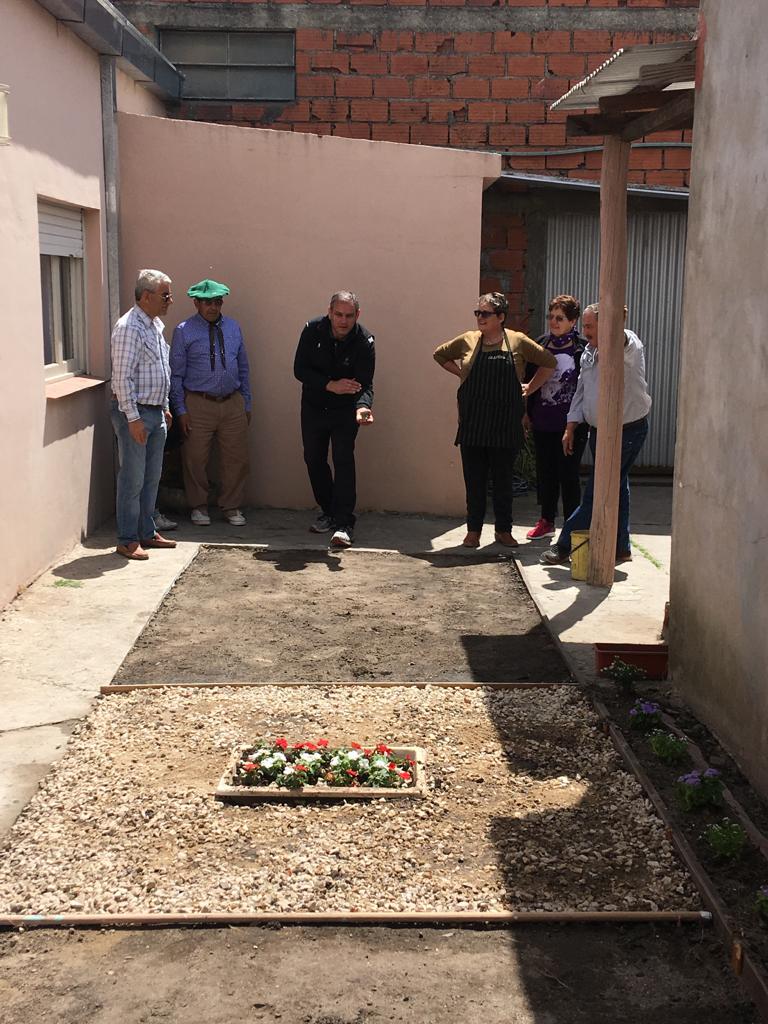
(191, 362)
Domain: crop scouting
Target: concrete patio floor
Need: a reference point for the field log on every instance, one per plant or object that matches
(67, 634)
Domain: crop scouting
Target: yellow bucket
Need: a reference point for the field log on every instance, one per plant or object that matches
(579, 554)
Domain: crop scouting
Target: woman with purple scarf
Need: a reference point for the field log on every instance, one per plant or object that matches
(547, 412)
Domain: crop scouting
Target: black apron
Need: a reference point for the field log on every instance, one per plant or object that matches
(491, 402)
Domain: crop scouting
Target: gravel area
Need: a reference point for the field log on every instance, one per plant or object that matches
(528, 808)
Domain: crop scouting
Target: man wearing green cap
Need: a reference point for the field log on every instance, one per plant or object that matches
(211, 396)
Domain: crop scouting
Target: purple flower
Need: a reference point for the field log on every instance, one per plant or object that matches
(711, 773)
(649, 708)
(692, 779)
(633, 711)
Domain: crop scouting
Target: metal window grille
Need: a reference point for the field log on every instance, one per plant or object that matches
(233, 65)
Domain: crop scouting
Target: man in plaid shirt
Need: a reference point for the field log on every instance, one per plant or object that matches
(141, 380)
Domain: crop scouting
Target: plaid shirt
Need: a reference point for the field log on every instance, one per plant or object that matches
(141, 373)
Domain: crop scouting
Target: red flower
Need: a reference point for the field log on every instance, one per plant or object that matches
(351, 773)
(383, 749)
(298, 746)
(367, 752)
(300, 767)
(356, 746)
(282, 743)
(410, 760)
(405, 775)
(310, 746)
(392, 766)
(249, 766)
(322, 743)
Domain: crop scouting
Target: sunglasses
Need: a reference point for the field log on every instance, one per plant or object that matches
(481, 314)
(556, 316)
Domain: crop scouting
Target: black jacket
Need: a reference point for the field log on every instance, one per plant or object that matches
(321, 358)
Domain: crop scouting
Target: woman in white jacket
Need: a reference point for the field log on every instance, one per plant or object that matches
(637, 404)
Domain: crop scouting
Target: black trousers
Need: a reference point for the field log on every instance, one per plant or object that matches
(481, 464)
(557, 474)
(335, 494)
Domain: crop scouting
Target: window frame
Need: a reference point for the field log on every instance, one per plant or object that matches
(63, 306)
(227, 66)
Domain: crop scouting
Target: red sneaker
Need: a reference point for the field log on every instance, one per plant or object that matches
(542, 529)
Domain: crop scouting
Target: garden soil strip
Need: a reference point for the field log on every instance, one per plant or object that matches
(264, 616)
(754, 833)
(529, 809)
(752, 974)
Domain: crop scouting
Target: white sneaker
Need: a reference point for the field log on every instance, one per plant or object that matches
(163, 522)
(200, 517)
(235, 517)
(342, 538)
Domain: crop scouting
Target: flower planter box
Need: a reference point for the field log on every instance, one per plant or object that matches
(653, 658)
(256, 794)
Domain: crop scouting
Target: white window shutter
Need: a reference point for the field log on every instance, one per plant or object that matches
(61, 230)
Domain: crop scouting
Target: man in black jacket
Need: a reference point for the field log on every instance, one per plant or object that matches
(335, 362)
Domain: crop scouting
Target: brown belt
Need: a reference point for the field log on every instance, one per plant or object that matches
(213, 398)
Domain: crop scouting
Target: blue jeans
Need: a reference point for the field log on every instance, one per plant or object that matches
(139, 475)
(632, 439)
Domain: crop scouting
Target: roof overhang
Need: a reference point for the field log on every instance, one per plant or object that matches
(110, 33)
(518, 178)
(638, 90)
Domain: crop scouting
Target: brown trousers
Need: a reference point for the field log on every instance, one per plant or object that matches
(225, 421)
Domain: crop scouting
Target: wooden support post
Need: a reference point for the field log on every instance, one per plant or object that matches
(613, 287)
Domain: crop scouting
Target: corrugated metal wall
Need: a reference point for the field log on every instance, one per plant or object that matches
(656, 258)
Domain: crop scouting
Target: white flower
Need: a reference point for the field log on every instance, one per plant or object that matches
(353, 755)
(364, 763)
(378, 762)
(279, 756)
(288, 770)
(267, 762)
(261, 753)
(335, 761)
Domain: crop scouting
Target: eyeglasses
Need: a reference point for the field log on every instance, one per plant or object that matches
(165, 296)
(556, 316)
(481, 314)
(210, 302)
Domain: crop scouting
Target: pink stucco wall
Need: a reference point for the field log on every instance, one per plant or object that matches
(55, 460)
(134, 98)
(286, 219)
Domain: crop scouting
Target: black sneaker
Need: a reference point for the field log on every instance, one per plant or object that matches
(554, 556)
(322, 524)
(342, 537)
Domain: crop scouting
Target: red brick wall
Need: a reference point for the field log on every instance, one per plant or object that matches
(477, 90)
(503, 264)
(469, 89)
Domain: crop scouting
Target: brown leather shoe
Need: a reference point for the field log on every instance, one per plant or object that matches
(472, 540)
(159, 542)
(506, 539)
(134, 551)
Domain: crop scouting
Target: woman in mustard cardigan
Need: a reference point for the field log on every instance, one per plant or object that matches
(490, 363)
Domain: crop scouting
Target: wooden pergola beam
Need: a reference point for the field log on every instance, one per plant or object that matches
(615, 116)
(678, 113)
(577, 125)
(613, 287)
(642, 100)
